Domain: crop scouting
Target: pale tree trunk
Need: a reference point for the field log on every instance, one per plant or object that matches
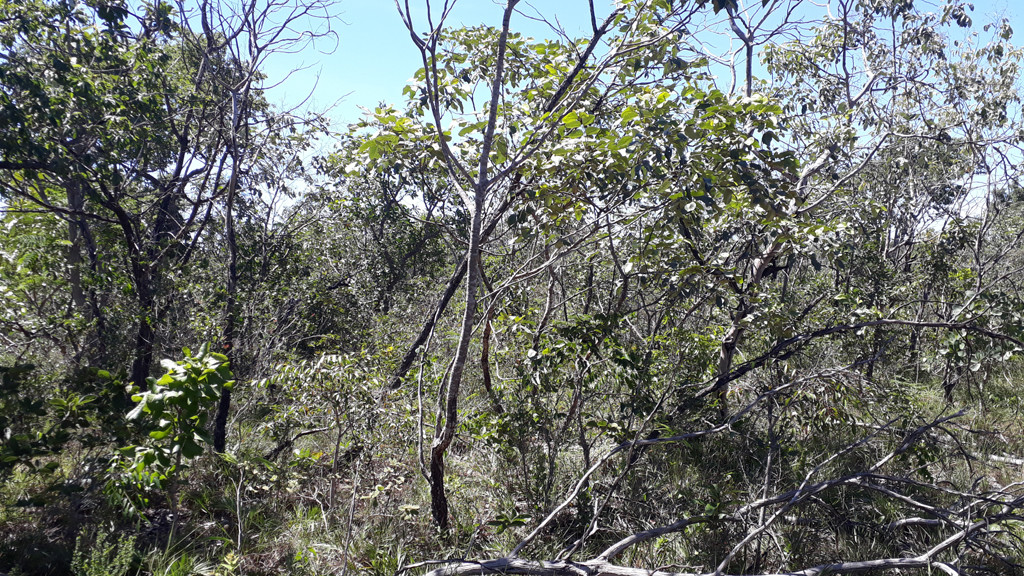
(76, 202)
(475, 190)
(448, 423)
(444, 434)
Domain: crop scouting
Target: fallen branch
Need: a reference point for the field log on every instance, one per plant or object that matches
(286, 444)
(599, 567)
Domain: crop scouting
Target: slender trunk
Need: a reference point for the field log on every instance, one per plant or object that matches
(221, 420)
(236, 153)
(726, 353)
(443, 439)
(590, 290)
(97, 317)
(76, 202)
(549, 303)
(428, 326)
(92, 350)
(869, 374)
(747, 37)
(485, 363)
(228, 337)
(144, 264)
(748, 88)
(334, 462)
(142, 278)
(448, 420)
(144, 267)
(915, 332)
(948, 382)
(438, 498)
(450, 289)
(144, 338)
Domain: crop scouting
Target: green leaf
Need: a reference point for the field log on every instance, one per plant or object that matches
(137, 411)
(189, 449)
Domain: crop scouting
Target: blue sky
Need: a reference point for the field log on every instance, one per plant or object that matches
(375, 57)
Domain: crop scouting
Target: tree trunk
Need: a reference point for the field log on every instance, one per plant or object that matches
(144, 263)
(92, 350)
(76, 202)
(445, 434)
(228, 337)
(726, 353)
(145, 335)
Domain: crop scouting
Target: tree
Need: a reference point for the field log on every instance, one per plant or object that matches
(531, 122)
(97, 131)
(719, 288)
(248, 35)
(758, 203)
(92, 131)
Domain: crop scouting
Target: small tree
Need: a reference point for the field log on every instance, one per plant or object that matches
(174, 411)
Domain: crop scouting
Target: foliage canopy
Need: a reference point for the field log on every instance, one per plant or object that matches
(621, 304)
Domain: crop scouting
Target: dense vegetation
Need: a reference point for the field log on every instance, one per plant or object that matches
(718, 289)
